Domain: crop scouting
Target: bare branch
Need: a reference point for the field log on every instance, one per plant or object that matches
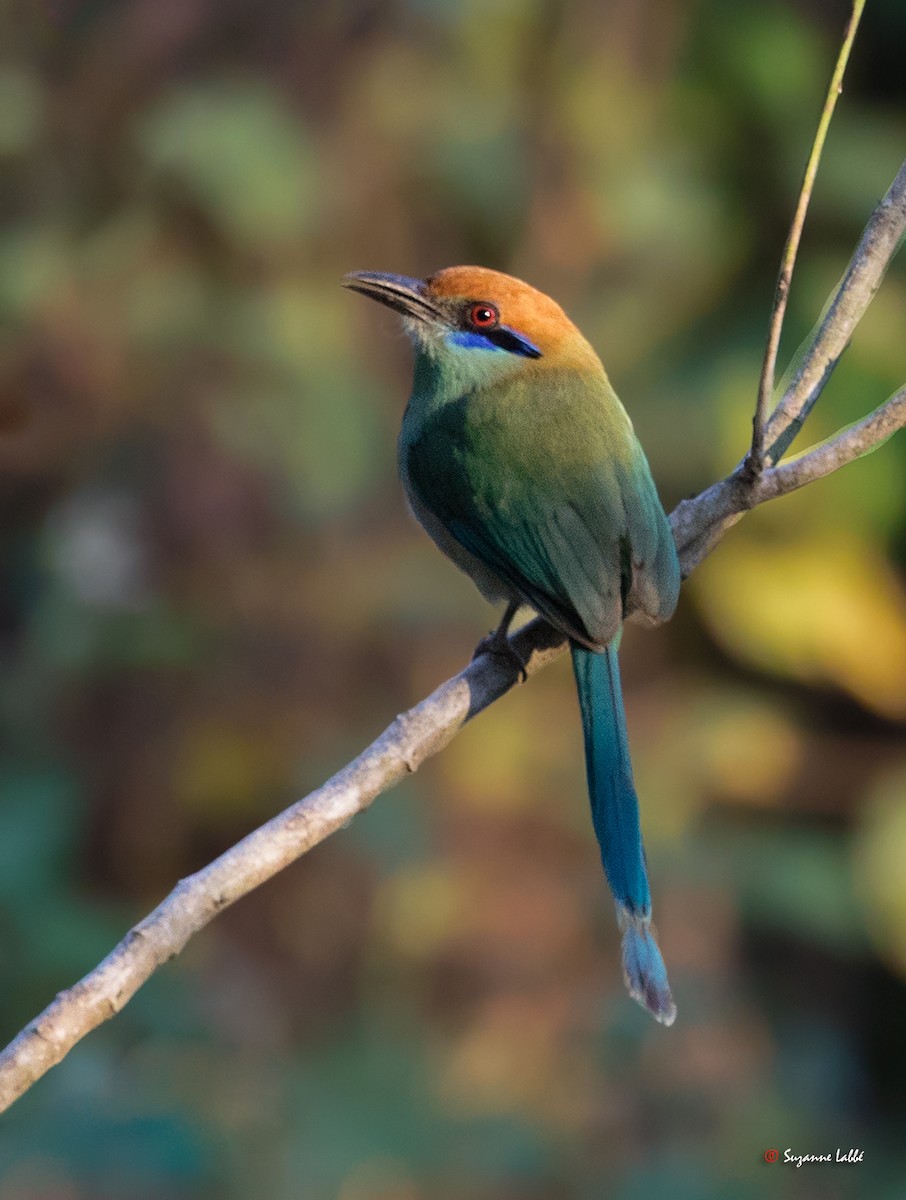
(698, 525)
(400, 750)
(852, 296)
(846, 446)
(755, 461)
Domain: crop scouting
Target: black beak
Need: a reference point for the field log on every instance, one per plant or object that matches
(401, 293)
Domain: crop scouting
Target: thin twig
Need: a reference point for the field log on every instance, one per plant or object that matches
(699, 524)
(755, 460)
(877, 246)
(844, 447)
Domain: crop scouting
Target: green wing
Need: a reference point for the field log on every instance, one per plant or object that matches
(544, 481)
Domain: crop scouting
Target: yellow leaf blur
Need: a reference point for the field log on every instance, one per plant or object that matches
(825, 610)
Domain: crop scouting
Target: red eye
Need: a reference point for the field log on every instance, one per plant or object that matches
(483, 316)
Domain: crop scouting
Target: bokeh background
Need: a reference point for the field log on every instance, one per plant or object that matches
(213, 597)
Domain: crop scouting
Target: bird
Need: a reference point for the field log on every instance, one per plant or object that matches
(523, 467)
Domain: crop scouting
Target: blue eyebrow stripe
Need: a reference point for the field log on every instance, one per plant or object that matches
(501, 338)
(472, 341)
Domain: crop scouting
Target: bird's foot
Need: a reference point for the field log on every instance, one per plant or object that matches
(498, 645)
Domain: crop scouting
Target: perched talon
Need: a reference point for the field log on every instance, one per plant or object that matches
(499, 646)
(498, 643)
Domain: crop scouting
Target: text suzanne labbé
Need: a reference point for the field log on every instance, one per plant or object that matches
(842, 1156)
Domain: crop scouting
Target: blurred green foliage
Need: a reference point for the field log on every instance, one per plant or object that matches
(211, 597)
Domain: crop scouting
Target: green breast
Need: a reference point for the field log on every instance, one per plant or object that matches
(542, 478)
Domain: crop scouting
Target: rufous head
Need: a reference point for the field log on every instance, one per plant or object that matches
(473, 309)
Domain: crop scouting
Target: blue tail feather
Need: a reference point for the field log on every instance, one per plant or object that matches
(643, 967)
(615, 815)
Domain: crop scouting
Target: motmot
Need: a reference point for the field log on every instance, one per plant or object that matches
(522, 465)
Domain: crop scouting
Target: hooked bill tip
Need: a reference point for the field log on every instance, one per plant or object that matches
(402, 293)
(383, 281)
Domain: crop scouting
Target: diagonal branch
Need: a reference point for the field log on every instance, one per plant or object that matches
(846, 446)
(698, 524)
(879, 243)
(400, 750)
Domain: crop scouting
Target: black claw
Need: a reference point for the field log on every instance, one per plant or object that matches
(499, 646)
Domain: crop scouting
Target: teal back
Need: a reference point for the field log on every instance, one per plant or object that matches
(540, 476)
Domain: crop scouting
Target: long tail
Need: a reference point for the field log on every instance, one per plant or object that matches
(615, 814)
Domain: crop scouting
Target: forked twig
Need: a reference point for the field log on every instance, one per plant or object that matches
(755, 459)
